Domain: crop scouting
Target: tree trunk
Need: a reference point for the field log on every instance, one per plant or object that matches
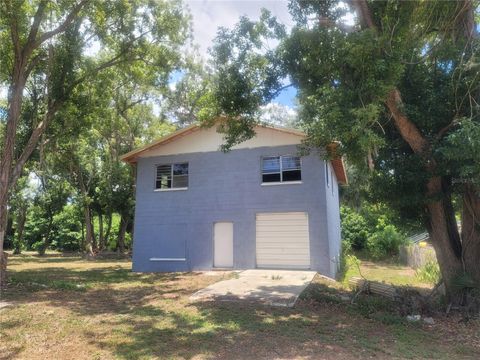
(101, 238)
(90, 243)
(94, 238)
(3, 268)
(3, 255)
(82, 245)
(18, 240)
(89, 232)
(471, 232)
(15, 96)
(444, 235)
(109, 228)
(442, 224)
(443, 230)
(48, 237)
(121, 234)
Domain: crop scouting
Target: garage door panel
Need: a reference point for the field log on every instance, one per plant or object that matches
(289, 247)
(283, 229)
(284, 246)
(281, 237)
(291, 257)
(270, 251)
(282, 240)
(275, 216)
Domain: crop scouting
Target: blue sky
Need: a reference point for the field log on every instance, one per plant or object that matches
(287, 97)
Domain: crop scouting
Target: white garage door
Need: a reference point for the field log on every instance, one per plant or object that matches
(283, 240)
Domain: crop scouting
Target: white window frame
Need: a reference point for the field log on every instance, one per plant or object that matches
(281, 182)
(172, 177)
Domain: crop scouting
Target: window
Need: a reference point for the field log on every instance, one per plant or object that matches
(172, 176)
(281, 169)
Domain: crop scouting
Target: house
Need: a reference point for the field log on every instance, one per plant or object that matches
(261, 205)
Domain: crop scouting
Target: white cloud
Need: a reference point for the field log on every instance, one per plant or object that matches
(209, 15)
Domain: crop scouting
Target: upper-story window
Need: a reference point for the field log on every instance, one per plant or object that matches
(281, 169)
(172, 176)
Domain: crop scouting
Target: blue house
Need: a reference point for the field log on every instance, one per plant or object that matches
(261, 205)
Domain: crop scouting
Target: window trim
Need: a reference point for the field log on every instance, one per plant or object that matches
(171, 189)
(281, 182)
(294, 182)
(155, 189)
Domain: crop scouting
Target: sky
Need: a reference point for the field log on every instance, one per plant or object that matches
(209, 15)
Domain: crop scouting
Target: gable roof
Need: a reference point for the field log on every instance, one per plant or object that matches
(132, 156)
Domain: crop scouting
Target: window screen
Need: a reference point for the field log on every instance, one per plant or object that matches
(172, 176)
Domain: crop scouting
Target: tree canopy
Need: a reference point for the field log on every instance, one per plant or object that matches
(398, 88)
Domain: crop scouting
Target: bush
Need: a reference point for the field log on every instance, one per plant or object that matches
(67, 230)
(36, 246)
(370, 229)
(355, 230)
(385, 242)
(429, 273)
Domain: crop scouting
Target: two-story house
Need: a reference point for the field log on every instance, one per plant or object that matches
(261, 205)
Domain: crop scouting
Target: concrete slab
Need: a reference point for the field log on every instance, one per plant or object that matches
(269, 287)
(4, 304)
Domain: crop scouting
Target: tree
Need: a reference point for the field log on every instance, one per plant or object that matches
(20, 203)
(45, 42)
(103, 121)
(189, 95)
(399, 89)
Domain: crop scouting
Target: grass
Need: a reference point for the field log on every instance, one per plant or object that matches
(64, 307)
(388, 272)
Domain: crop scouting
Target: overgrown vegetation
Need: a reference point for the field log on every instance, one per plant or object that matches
(429, 273)
(369, 232)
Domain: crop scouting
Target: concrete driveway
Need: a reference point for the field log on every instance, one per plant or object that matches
(269, 287)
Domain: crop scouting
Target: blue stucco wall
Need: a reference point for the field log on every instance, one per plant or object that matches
(224, 187)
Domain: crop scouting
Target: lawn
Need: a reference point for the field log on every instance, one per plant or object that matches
(67, 307)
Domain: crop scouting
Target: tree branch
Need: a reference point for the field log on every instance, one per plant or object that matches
(112, 62)
(62, 27)
(33, 142)
(36, 23)
(363, 13)
(445, 129)
(33, 62)
(14, 30)
(407, 129)
(278, 91)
